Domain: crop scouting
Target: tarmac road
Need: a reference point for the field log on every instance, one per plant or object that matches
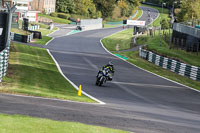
(149, 14)
(64, 29)
(135, 100)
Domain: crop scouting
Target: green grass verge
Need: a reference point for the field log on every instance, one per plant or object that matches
(42, 41)
(46, 31)
(55, 19)
(45, 38)
(139, 13)
(164, 15)
(32, 71)
(135, 59)
(111, 25)
(164, 49)
(122, 39)
(154, 44)
(20, 31)
(25, 124)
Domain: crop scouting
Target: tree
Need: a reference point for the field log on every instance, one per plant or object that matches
(66, 6)
(133, 5)
(86, 8)
(124, 7)
(106, 7)
(189, 10)
(165, 24)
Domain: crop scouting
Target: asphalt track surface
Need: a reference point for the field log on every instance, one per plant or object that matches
(135, 100)
(64, 29)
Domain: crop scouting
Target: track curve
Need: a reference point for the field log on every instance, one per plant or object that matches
(136, 100)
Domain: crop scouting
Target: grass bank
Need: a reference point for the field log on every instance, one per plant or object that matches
(122, 39)
(55, 19)
(154, 44)
(183, 56)
(20, 31)
(24, 124)
(139, 13)
(32, 71)
(45, 38)
(42, 41)
(163, 15)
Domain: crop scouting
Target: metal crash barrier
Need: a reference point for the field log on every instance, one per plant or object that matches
(180, 68)
(5, 25)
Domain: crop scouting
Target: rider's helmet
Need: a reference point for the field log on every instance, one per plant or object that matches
(110, 63)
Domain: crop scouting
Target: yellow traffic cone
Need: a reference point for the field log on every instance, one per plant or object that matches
(79, 91)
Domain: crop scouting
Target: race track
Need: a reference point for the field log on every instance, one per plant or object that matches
(136, 100)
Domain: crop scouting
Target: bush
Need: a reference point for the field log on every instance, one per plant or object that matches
(43, 26)
(53, 14)
(63, 15)
(165, 24)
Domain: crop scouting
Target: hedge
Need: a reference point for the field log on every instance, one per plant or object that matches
(53, 14)
(63, 15)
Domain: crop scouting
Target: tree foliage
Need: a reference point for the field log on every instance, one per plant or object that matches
(85, 8)
(106, 7)
(66, 6)
(124, 7)
(165, 24)
(190, 9)
(187, 9)
(96, 8)
(128, 6)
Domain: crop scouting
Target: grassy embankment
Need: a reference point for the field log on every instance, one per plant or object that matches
(24, 124)
(55, 19)
(164, 15)
(43, 28)
(20, 31)
(45, 38)
(139, 13)
(124, 38)
(32, 71)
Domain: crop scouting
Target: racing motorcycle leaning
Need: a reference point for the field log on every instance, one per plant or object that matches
(102, 76)
(105, 74)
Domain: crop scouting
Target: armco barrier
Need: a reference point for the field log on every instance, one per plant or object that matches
(4, 55)
(192, 72)
(21, 38)
(34, 27)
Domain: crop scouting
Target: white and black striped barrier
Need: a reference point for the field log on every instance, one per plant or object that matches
(192, 72)
(21, 38)
(34, 27)
(4, 55)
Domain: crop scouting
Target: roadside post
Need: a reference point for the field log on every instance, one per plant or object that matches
(79, 90)
(9, 21)
(161, 24)
(5, 25)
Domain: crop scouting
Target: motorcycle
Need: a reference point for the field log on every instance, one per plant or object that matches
(102, 76)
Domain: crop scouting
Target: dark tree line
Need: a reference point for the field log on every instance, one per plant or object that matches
(96, 8)
(186, 10)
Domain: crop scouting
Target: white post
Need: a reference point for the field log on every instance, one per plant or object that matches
(9, 21)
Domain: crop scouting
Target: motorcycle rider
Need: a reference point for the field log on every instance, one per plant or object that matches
(109, 66)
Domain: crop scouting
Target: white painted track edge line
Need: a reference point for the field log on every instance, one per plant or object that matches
(95, 99)
(49, 41)
(141, 14)
(76, 87)
(52, 37)
(45, 98)
(53, 31)
(144, 69)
